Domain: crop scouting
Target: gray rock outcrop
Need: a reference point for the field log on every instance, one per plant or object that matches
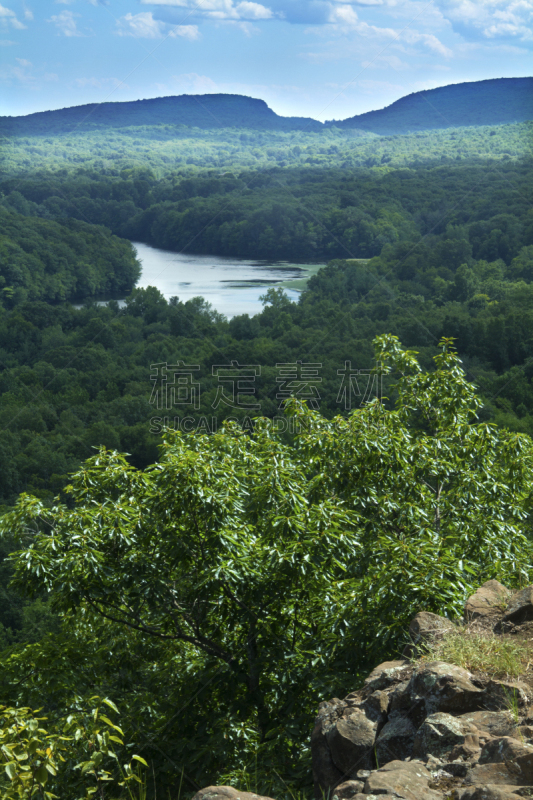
(429, 730)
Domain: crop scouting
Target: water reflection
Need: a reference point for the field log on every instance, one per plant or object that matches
(232, 285)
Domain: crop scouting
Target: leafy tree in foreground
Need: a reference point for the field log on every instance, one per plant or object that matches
(272, 574)
(78, 758)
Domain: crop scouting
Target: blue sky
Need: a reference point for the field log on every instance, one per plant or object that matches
(327, 59)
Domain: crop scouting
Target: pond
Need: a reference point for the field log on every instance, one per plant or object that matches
(232, 285)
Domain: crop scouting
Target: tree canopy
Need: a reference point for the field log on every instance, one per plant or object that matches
(258, 574)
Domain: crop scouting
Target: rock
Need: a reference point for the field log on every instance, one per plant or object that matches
(386, 674)
(489, 793)
(351, 743)
(375, 706)
(469, 751)
(348, 789)
(406, 780)
(511, 752)
(438, 686)
(500, 695)
(325, 773)
(433, 764)
(368, 797)
(226, 793)
(438, 734)
(487, 601)
(459, 769)
(520, 607)
(495, 723)
(399, 699)
(395, 740)
(488, 774)
(371, 797)
(426, 626)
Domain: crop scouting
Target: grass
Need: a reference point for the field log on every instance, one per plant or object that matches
(494, 655)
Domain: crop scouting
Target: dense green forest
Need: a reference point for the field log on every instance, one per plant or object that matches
(428, 237)
(43, 260)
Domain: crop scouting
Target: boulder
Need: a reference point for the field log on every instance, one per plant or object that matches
(489, 600)
(351, 742)
(226, 793)
(500, 695)
(325, 773)
(520, 607)
(426, 626)
(348, 790)
(399, 699)
(438, 686)
(494, 723)
(376, 706)
(438, 734)
(489, 793)
(405, 780)
(511, 752)
(395, 740)
(386, 674)
(499, 774)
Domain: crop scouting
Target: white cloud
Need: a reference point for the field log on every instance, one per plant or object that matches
(141, 25)
(489, 19)
(28, 14)
(248, 10)
(8, 17)
(344, 19)
(65, 23)
(216, 9)
(65, 2)
(6, 42)
(99, 83)
(24, 73)
(144, 26)
(429, 40)
(189, 32)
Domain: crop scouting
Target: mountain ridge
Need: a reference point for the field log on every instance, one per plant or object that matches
(488, 102)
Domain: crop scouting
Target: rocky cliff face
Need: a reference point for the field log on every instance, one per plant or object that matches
(423, 729)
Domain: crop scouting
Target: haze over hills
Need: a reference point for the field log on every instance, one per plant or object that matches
(490, 102)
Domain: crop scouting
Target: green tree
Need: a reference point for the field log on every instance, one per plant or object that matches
(288, 568)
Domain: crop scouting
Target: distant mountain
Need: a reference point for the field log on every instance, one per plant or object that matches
(492, 102)
(200, 111)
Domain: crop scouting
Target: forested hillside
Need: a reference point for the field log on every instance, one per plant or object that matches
(43, 260)
(199, 111)
(490, 102)
(218, 580)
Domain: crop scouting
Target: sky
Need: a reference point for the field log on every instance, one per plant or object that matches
(326, 59)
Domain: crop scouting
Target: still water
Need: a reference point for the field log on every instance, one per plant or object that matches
(231, 285)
